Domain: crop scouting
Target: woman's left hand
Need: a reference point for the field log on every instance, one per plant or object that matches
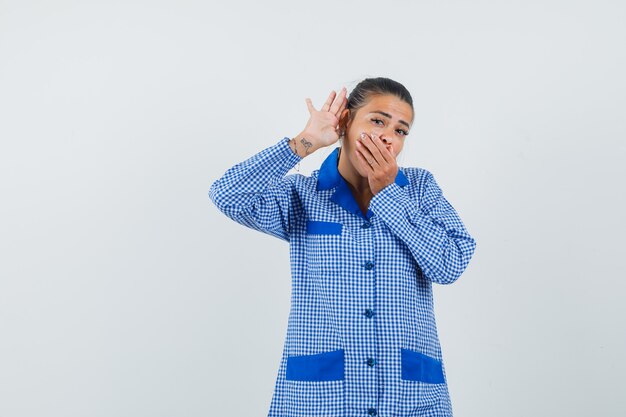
(382, 167)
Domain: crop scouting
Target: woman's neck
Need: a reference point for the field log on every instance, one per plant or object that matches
(359, 185)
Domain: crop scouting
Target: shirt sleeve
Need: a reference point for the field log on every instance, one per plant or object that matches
(431, 229)
(258, 194)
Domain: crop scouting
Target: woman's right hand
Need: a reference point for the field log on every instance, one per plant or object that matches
(322, 127)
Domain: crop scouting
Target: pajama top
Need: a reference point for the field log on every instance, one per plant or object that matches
(361, 336)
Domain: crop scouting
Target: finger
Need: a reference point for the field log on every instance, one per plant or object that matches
(344, 105)
(340, 105)
(309, 105)
(364, 150)
(338, 101)
(329, 100)
(370, 143)
(378, 149)
(363, 160)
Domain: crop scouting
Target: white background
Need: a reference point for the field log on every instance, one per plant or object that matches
(124, 292)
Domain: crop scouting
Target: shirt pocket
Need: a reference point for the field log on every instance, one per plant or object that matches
(314, 385)
(325, 366)
(318, 227)
(327, 244)
(422, 379)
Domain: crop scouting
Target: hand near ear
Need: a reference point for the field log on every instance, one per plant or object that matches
(322, 129)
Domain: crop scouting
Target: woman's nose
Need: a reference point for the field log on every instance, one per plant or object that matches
(384, 136)
(386, 142)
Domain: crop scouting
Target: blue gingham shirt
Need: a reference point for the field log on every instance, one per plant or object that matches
(361, 337)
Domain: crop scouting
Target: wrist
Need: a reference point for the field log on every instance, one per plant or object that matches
(302, 144)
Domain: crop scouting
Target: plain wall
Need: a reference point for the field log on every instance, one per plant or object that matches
(124, 292)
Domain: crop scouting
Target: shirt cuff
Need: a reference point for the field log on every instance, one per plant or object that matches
(290, 158)
(389, 197)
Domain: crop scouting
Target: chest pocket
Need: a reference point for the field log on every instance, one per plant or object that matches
(316, 227)
(328, 244)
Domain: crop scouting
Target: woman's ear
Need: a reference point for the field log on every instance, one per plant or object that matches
(344, 120)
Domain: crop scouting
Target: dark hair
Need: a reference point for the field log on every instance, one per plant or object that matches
(369, 87)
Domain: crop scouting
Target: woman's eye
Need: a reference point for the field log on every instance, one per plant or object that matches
(404, 132)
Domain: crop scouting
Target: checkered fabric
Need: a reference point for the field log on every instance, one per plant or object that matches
(361, 337)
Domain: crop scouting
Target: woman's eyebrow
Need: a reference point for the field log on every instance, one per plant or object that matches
(389, 116)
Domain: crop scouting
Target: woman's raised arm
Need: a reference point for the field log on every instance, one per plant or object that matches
(257, 193)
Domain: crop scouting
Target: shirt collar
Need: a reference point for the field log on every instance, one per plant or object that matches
(329, 177)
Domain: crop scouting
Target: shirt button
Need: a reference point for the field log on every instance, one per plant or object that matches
(369, 313)
(371, 361)
(371, 411)
(369, 265)
(366, 225)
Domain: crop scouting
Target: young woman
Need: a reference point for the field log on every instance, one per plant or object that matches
(367, 241)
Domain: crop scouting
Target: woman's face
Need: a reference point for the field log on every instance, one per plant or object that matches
(386, 115)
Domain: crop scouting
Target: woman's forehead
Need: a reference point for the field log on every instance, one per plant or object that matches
(392, 106)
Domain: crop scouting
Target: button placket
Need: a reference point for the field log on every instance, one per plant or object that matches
(368, 265)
